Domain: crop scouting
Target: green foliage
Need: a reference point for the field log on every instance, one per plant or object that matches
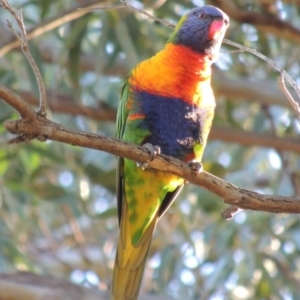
(57, 204)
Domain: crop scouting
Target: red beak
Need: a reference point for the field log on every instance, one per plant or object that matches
(215, 29)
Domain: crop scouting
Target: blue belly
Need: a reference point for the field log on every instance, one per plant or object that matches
(175, 125)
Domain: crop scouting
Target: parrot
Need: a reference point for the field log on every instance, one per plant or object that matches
(166, 105)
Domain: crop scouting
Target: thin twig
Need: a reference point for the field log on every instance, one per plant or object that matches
(288, 95)
(102, 7)
(266, 59)
(168, 24)
(282, 72)
(126, 4)
(22, 37)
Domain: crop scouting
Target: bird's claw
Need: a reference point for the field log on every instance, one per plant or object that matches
(154, 150)
(143, 166)
(196, 167)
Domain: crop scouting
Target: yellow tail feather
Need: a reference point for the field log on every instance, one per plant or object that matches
(130, 261)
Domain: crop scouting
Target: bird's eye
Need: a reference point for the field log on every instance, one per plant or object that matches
(202, 15)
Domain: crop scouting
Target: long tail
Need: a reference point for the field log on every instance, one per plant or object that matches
(130, 261)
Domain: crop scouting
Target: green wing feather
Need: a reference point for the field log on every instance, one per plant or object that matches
(122, 111)
(130, 261)
(120, 127)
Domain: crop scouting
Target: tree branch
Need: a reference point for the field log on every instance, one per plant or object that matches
(25, 111)
(39, 126)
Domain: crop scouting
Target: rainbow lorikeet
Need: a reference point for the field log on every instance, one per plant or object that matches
(166, 101)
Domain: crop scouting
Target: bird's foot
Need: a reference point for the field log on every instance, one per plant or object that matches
(154, 150)
(196, 167)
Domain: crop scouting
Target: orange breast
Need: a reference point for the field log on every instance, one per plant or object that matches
(175, 72)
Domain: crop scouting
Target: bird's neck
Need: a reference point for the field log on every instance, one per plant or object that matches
(189, 60)
(175, 72)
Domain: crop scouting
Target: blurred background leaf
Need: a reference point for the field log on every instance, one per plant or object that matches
(57, 203)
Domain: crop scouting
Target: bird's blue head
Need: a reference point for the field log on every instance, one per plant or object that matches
(202, 30)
